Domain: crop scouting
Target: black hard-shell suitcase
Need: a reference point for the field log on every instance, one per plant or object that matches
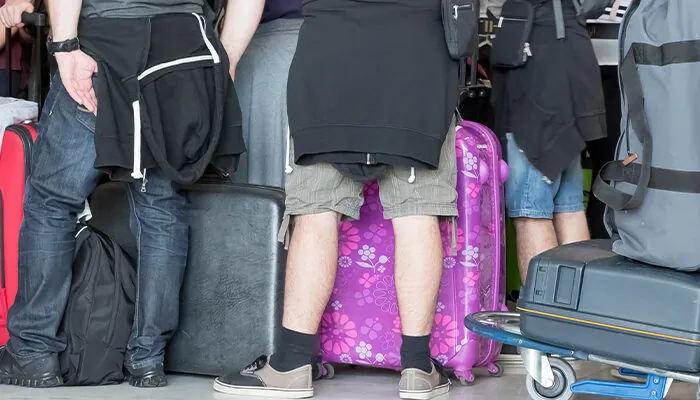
(586, 298)
(231, 299)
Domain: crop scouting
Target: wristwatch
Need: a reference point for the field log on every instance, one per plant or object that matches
(65, 46)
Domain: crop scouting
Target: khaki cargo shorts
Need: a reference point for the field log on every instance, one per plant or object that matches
(320, 188)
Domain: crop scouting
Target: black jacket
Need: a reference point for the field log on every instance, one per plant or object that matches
(554, 104)
(165, 98)
(371, 84)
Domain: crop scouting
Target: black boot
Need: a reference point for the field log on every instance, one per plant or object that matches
(148, 377)
(42, 372)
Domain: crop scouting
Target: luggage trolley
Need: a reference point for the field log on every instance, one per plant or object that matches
(551, 377)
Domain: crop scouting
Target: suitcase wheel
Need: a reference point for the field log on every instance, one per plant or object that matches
(495, 370)
(322, 370)
(564, 377)
(467, 380)
(330, 371)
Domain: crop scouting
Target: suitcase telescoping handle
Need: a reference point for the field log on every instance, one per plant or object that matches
(38, 21)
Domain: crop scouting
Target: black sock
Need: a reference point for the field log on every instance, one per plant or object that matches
(415, 353)
(296, 350)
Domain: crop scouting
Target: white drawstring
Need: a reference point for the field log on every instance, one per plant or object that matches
(412, 178)
(212, 50)
(287, 158)
(136, 171)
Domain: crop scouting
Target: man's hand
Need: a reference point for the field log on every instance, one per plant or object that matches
(76, 69)
(11, 12)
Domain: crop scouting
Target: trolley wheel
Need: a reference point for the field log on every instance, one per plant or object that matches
(564, 376)
(330, 371)
(495, 370)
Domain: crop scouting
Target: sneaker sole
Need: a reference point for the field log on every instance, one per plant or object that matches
(425, 394)
(46, 382)
(263, 391)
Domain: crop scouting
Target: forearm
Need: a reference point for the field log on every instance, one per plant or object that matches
(64, 16)
(242, 19)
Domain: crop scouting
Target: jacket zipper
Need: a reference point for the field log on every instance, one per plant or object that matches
(457, 9)
(500, 20)
(526, 51)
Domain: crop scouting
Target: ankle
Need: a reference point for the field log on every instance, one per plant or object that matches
(296, 351)
(415, 353)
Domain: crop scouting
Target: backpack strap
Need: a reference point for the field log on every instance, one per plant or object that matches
(615, 170)
(559, 19)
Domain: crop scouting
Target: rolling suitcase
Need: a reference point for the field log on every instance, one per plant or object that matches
(586, 298)
(231, 298)
(15, 159)
(361, 324)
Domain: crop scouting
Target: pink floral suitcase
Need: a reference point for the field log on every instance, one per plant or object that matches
(361, 324)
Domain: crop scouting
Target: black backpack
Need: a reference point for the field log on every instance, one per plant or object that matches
(100, 312)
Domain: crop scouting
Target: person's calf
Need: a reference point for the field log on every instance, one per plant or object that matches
(42, 372)
(533, 237)
(571, 227)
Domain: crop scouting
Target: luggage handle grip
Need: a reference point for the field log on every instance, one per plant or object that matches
(36, 19)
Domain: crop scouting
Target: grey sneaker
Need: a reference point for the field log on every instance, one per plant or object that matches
(416, 384)
(259, 379)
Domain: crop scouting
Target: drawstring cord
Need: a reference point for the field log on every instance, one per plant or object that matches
(136, 171)
(287, 158)
(412, 178)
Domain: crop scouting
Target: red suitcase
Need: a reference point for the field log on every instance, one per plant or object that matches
(15, 159)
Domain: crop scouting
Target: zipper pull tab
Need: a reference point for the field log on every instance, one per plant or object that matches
(144, 181)
(527, 50)
(456, 13)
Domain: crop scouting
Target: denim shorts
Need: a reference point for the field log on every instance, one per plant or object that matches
(530, 195)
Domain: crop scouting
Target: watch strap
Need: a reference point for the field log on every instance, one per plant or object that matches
(65, 46)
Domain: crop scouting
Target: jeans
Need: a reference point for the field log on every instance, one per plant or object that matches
(61, 178)
(530, 195)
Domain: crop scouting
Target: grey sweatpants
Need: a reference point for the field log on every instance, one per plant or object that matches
(261, 84)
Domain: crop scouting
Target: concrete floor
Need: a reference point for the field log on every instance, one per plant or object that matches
(349, 384)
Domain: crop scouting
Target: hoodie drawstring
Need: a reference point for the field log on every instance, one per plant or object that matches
(287, 159)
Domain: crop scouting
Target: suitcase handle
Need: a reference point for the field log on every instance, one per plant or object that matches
(39, 21)
(36, 19)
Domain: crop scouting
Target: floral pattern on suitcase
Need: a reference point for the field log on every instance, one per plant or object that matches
(361, 324)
